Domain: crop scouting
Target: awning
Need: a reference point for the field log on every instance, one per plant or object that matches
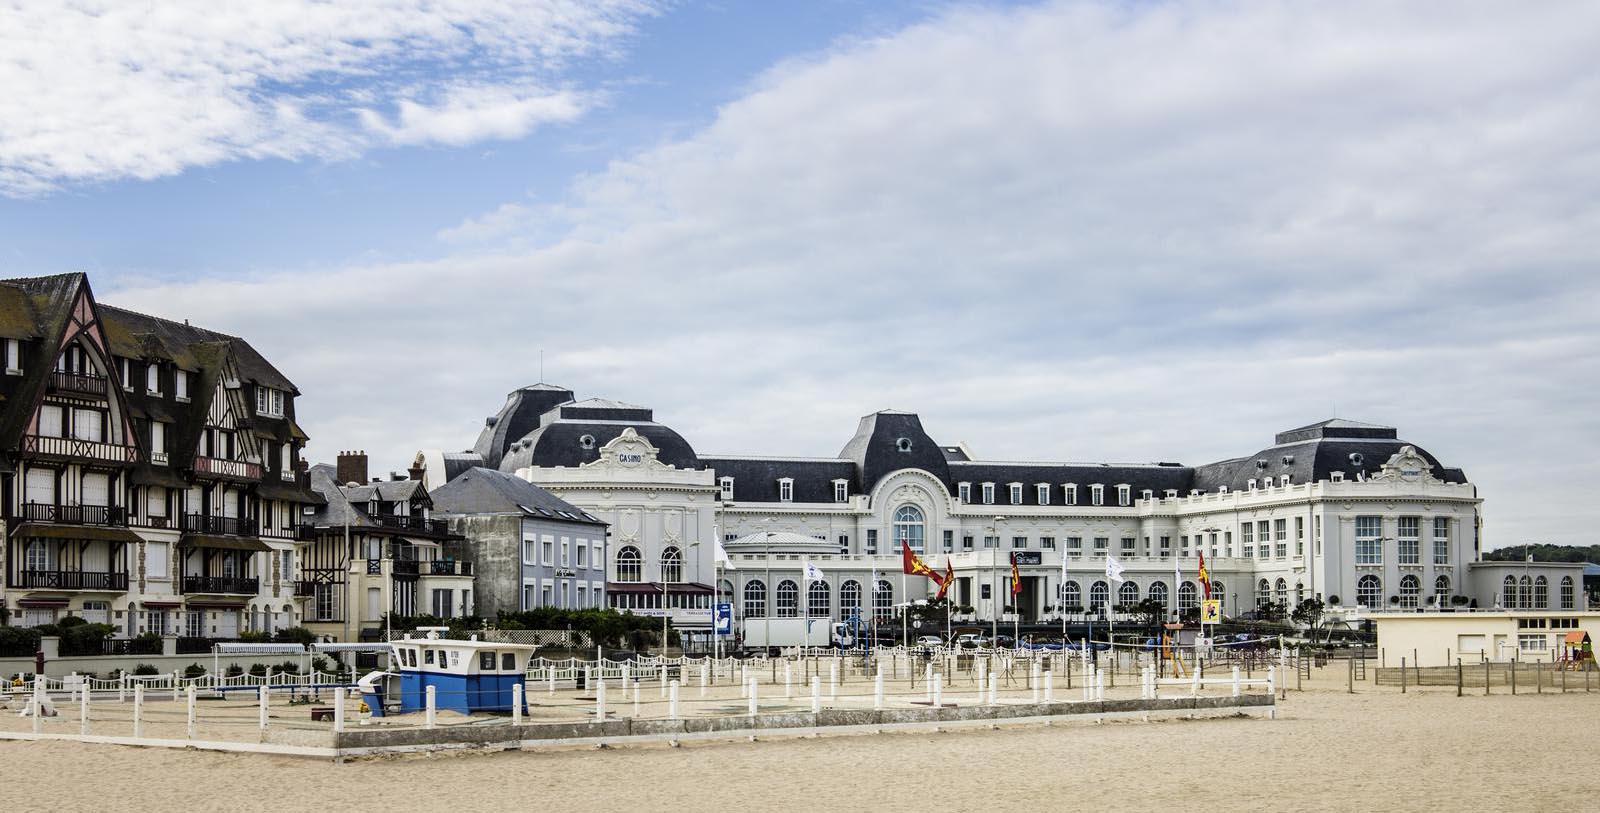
(223, 542)
(217, 603)
(160, 605)
(48, 531)
(42, 600)
(649, 588)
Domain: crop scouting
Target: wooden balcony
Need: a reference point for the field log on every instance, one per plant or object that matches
(113, 515)
(436, 527)
(447, 567)
(72, 580)
(68, 448)
(78, 383)
(225, 526)
(220, 584)
(237, 469)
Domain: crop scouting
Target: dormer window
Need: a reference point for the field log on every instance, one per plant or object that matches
(1283, 480)
(964, 493)
(152, 378)
(586, 441)
(1145, 494)
(988, 493)
(1070, 490)
(1043, 493)
(180, 385)
(902, 444)
(1125, 495)
(1016, 493)
(1338, 477)
(1172, 493)
(13, 352)
(1097, 494)
(726, 484)
(125, 371)
(786, 489)
(1251, 484)
(269, 402)
(841, 490)
(1222, 489)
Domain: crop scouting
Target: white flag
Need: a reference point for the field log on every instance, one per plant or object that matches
(874, 586)
(813, 573)
(1114, 569)
(721, 555)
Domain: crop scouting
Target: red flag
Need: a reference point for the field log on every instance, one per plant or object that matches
(949, 578)
(1016, 577)
(1205, 577)
(912, 564)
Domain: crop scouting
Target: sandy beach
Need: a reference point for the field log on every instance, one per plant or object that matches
(1328, 750)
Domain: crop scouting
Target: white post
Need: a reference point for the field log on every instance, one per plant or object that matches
(1100, 684)
(340, 696)
(635, 697)
(938, 691)
(83, 711)
(1194, 683)
(663, 667)
(432, 708)
(788, 679)
(1235, 681)
(833, 679)
(1272, 681)
(261, 706)
(550, 678)
(122, 688)
(816, 694)
(38, 703)
(188, 702)
(927, 681)
(983, 677)
(753, 699)
(174, 685)
(672, 701)
(705, 675)
(877, 689)
(1050, 686)
(1033, 683)
(600, 700)
(994, 689)
(138, 711)
(627, 674)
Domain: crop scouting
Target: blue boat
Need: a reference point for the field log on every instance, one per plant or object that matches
(466, 676)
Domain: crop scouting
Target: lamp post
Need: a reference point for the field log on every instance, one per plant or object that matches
(692, 546)
(994, 589)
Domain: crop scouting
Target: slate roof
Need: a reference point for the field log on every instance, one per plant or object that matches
(516, 418)
(560, 442)
(756, 479)
(486, 491)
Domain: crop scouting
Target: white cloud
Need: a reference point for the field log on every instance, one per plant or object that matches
(1082, 230)
(105, 90)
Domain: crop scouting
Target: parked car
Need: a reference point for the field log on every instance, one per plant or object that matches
(969, 640)
(929, 641)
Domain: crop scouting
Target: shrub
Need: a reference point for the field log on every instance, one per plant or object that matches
(194, 670)
(1333, 601)
(70, 621)
(145, 669)
(84, 638)
(294, 635)
(289, 667)
(234, 670)
(255, 637)
(16, 642)
(258, 669)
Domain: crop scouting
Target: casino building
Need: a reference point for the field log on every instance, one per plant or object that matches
(1344, 511)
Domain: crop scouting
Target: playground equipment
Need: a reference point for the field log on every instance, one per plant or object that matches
(1577, 651)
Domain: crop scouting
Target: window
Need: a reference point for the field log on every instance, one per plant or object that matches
(1158, 592)
(1264, 532)
(1533, 641)
(1047, 543)
(1128, 545)
(1019, 542)
(155, 502)
(1124, 495)
(52, 422)
(1099, 594)
(581, 554)
(1410, 590)
(1100, 545)
(1070, 490)
(88, 424)
(788, 599)
(1166, 547)
(726, 484)
(841, 490)
(628, 564)
(1441, 591)
(1567, 600)
(1074, 546)
(964, 493)
(1299, 536)
(180, 384)
(1097, 494)
(949, 541)
(1369, 544)
(269, 402)
(1042, 491)
(13, 357)
(991, 541)
(1541, 593)
(755, 599)
(966, 542)
(39, 556)
(1247, 539)
(786, 489)
(872, 541)
(1072, 597)
(1508, 593)
(1441, 540)
(818, 600)
(1187, 599)
(1369, 591)
(988, 493)
(882, 599)
(671, 564)
(1408, 544)
(1128, 595)
(156, 567)
(566, 546)
(40, 486)
(1263, 594)
(155, 621)
(849, 598)
(1280, 538)
(1016, 493)
(908, 528)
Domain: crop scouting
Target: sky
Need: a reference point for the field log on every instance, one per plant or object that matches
(1090, 230)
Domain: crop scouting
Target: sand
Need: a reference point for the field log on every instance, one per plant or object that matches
(1377, 749)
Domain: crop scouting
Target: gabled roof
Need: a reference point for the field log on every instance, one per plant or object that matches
(138, 335)
(486, 491)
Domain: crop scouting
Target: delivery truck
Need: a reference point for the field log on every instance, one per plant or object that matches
(768, 634)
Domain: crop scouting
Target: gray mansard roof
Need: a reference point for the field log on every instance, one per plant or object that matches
(486, 491)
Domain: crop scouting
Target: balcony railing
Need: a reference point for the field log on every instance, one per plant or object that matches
(449, 567)
(406, 567)
(158, 458)
(72, 580)
(220, 584)
(242, 469)
(87, 383)
(73, 447)
(74, 514)
(305, 588)
(409, 523)
(226, 526)
(287, 475)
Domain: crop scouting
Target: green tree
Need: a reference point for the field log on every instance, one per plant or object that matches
(1308, 613)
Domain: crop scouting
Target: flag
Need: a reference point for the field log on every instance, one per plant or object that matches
(873, 588)
(813, 573)
(912, 564)
(1016, 577)
(1204, 576)
(949, 578)
(721, 555)
(1114, 569)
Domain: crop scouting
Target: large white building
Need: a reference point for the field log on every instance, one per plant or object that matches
(1344, 511)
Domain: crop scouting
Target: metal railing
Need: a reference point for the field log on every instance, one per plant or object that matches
(227, 526)
(449, 567)
(74, 447)
(431, 526)
(243, 469)
(220, 584)
(74, 514)
(72, 580)
(88, 383)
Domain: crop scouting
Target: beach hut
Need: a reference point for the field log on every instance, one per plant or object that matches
(466, 676)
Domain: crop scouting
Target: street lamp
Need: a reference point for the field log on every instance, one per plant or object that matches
(691, 546)
(994, 589)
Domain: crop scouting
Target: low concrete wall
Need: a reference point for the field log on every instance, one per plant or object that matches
(364, 739)
(103, 664)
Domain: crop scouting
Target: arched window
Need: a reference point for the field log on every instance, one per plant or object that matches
(883, 599)
(908, 527)
(1187, 596)
(817, 600)
(1410, 589)
(1099, 593)
(1263, 593)
(1128, 594)
(725, 591)
(1281, 592)
(1525, 594)
(1369, 591)
(1219, 591)
(1567, 600)
(1508, 593)
(1541, 593)
(1299, 593)
(849, 598)
(787, 599)
(628, 564)
(671, 564)
(755, 599)
(1441, 591)
(1158, 592)
(1072, 597)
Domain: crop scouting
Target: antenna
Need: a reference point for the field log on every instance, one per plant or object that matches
(541, 365)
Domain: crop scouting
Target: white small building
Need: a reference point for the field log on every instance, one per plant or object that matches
(1438, 639)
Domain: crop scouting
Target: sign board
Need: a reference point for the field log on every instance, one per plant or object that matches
(724, 618)
(1211, 611)
(1028, 557)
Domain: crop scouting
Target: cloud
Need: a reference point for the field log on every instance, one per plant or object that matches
(98, 91)
(1071, 231)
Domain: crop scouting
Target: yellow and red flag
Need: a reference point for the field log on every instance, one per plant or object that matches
(949, 578)
(1204, 575)
(1016, 576)
(912, 564)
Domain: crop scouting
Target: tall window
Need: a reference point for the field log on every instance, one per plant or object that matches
(1567, 599)
(671, 564)
(872, 541)
(949, 541)
(1074, 546)
(1264, 531)
(786, 489)
(1525, 595)
(1187, 598)
(1410, 590)
(1072, 597)
(1071, 492)
(1441, 540)
(1408, 541)
(841, 490)
(1541, 593)
(988, 493)
(1369, 542)
(1281, 592)
(1099, 594)
(817, 600)
(908, 527)
(180, 385)
(1124, 495)
(964, 492)
(787, 599)
(1280, 538)
(1097, 494)
(725, 485)
(1128, 594)
(629, 564)
(1263, 593)
(1247, 539)
(1369, 591)
(1158, 592)
(1441, 591)
(1016, 493)
(755, 598)
(1508, 593)
(849, 598)
(883, 599)
(1043, 493)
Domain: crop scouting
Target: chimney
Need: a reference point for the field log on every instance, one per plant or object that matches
(352, 467)
(417, 468)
